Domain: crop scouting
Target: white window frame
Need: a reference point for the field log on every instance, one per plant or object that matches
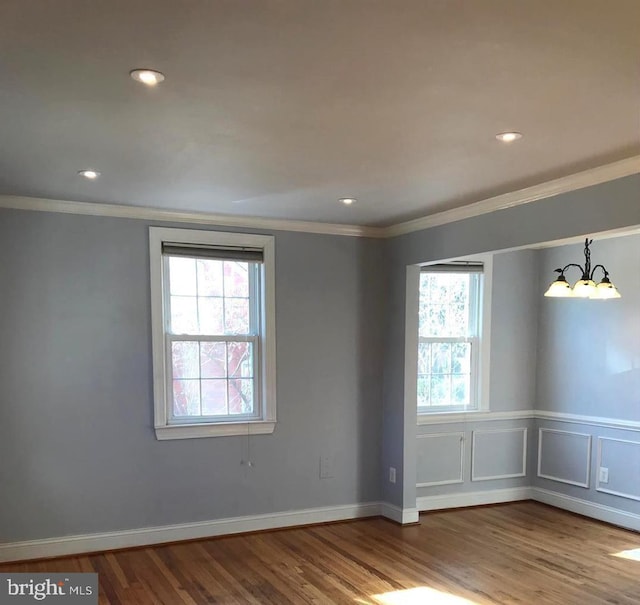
(411, 345)
(265, 378)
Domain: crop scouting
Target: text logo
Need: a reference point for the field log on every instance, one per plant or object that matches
(73, 588)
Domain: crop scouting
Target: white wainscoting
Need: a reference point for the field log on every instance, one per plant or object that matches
(498, 436)
(494, 496)
(608, 514)
(629, 459)
(567, 437)
(448, 445)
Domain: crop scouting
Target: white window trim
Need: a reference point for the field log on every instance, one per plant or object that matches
(411, 344)
(266, 424)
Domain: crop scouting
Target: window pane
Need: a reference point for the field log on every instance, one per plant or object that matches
(461, 358)
(441, 358)
(236, 315)
(184, 315)
(236, 279)
(186, 397)
(437, 290)
(440, 389)
(184, 360)
(436, 321)
(214, 397)
(210, 314)
(210, 281)
(423, 392)
(444, 304)
(213, 360)
(457, 322)
(424, 358)
(240, 359)
(182, 276)
(241, 396)
(460, 389)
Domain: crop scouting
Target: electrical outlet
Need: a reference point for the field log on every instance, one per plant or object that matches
(604, 474)
(326, 467)
(392, 474)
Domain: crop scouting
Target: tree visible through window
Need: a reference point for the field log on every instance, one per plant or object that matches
(213, 336)
(448, 343)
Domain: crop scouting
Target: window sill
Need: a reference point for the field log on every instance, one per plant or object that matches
(195, 431)
(471, 416)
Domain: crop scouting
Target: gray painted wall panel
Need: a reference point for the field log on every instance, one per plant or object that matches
(499, 454)
(76, 440)
(564, 456)
(440, 458)
(622, 459)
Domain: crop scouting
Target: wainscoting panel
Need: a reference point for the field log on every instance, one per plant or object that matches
(499, 454)
(440, 459)
(622, 459)
(564, 456)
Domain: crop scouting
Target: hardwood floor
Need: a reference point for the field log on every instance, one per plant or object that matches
(523, 552)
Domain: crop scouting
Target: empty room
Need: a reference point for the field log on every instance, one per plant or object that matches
(320, 301)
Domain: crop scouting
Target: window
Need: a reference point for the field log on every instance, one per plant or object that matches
(213, 333)
(449, 330)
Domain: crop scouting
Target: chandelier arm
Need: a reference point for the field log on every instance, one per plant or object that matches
(606, 273)
(572, 265)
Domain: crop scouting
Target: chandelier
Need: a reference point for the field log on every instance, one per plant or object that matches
(585, 287)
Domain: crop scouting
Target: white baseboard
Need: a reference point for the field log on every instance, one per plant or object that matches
(403, 516)
(71, 545)
(495, 496)
(601, 512)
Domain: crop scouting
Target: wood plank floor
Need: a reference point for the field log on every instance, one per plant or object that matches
(517, 553)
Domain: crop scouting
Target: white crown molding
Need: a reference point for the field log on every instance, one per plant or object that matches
(566, 184)
(70, 545)
(175, 216)
(572, 182)
(494, 496)
(601, 512)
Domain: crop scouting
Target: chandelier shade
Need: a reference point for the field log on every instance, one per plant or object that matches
(585, 287)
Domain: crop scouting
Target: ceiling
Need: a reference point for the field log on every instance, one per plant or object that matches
(276, 108)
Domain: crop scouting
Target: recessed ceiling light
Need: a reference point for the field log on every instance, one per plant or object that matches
(347, 201)
(509, 137)
(149, 77)
(89, 174)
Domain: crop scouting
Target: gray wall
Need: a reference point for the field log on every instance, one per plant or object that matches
(589, 365)
(497, 448)
(589, 352)
(78, 450)
(76, 439)
(603, 207)
(514, 329)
